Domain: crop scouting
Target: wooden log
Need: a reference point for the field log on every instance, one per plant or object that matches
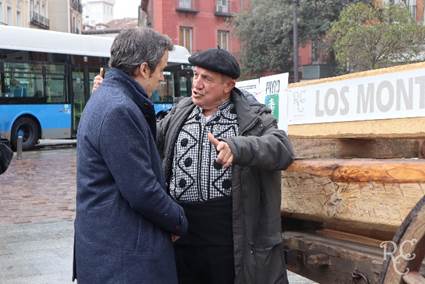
(385, 128)
(358, 148)
(363, 170)
(368, 197)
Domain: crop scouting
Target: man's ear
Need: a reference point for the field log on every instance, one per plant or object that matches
(230, 84)
(144, 70)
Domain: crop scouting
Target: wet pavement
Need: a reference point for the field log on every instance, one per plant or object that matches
(39, 188)
(37, 208)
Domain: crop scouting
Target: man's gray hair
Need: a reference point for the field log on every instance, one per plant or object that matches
(132, 47)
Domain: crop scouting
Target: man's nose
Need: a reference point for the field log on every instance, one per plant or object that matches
(197, 84)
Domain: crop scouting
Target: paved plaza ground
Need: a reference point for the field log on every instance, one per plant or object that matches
(37, 208)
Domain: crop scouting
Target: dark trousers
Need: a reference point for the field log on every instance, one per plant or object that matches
(205, 264)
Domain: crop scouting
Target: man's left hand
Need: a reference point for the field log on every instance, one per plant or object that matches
(174, 238)
(225, 155)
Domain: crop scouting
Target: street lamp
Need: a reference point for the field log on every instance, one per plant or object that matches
(295, 38)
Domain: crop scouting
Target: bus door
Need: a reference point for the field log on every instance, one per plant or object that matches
(78, 97)
(82, 84)
(183, 83)
(163, 97)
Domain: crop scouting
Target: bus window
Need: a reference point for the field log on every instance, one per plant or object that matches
(183, 84)
(22, 80)
(165, 92)
(55, 83)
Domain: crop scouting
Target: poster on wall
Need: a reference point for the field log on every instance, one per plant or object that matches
(273, 94)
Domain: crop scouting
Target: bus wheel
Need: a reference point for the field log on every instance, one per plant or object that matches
(28, 129)
(404, 262)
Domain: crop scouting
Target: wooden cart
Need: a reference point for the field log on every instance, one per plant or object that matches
(353, 201)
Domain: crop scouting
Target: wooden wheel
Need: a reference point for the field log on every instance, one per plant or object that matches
(404, 255)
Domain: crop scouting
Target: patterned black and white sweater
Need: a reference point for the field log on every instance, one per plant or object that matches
(197, 177)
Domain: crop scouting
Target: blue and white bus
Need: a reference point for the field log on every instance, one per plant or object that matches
(46, 78)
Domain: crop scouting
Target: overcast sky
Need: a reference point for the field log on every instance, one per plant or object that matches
(126, 9)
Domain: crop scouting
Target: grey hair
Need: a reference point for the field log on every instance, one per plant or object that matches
(133, 47)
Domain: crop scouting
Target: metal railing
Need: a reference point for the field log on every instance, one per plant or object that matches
(39, 20)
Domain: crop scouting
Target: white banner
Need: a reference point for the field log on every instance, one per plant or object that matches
(391, 95)
(273, 93)
(251, 86)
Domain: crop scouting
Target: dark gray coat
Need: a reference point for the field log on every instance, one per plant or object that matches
(124, 216)
(260, 152)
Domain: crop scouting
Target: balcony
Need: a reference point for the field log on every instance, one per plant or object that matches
(39, 20)
(186, 6)
(222, 10)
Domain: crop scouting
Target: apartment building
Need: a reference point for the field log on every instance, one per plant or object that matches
(196, 24)
(14, 13)
(57, 15)
(66, 16)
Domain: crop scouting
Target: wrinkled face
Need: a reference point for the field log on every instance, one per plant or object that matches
(210, 89)
(152, 79)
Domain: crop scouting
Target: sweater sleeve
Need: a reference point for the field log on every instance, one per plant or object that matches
(125, 147)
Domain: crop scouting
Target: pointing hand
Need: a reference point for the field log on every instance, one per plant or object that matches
(225, 156)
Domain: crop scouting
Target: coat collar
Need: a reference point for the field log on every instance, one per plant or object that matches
(136, 93)
(247, 108)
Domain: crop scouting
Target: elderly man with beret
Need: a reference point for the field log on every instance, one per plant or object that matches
(222, 155)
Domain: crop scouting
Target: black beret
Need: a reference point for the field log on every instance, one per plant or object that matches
(217, 60)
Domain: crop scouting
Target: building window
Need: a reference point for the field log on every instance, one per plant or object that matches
(185, 37)
(18, 18)
(9, 16)
(223, 39)
(412, 7)
(185, 4)
(1, 12)
(43, 9)
(222, 6)
(78, 28)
